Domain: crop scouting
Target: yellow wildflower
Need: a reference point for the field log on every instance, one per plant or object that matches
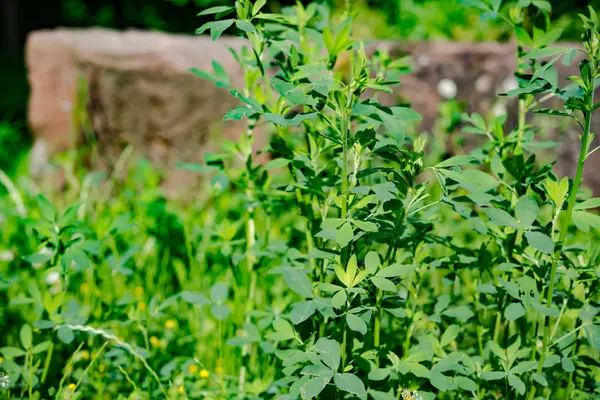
(171, 324)
(1, 359)
(154, 341)
(181, 389)
(84, 288)
(192, 369)
(138, 291)
(203, 374)
(141, 306)
(72, 387)
(85, 355)
(219, 370)
(101, 368)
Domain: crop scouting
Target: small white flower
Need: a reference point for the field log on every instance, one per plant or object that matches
(7, 255)
(499, 109)
(510, 83)
(447, 88)
(483, 83)
(53, 278)
(4, 381)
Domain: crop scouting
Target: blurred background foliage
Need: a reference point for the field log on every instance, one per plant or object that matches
(379, 19)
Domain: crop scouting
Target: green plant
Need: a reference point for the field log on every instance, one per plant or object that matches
(385, 203)
(345, 260)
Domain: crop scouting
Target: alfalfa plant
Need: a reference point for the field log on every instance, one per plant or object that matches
(355, 179)
(543, 283)
(370, 257)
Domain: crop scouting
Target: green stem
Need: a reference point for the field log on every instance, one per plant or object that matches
(570, 379)
(344, 167)
(521, 126)
(377, 325)
(561, 238)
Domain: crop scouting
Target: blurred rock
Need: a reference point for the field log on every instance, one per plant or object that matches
(140, 92)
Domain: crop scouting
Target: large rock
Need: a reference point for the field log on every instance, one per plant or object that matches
(141, 91)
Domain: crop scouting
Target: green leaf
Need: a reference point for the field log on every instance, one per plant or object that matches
(376, 395)
(194, 298)
(284, 329)
(523, 36)
(493, 375)
(384, 284)
(219, 292)
(298, 281)
(449, 335)
(238, 113)
(283, 121)
(12, 352)
(215, 10)
(302, 311)
(330, 352)
(456, 161)
(385, 191)
(540, 242)
(545, 52)
(216, 28)
(220, 312)
(365, 225)
(26, 336)
(501, 217)
(542, 5)
(540, 379)
(313, 387)
(41, 347)
(258, 5)
(406, 114)
(473, 180)
(592, 332)
(339, 299)
(567, 364)
(344, 235)
(526, 211)
(516, 383)
(394, 126)
(245, 26)
(589, 203)
(372, 261)
(551, 361)
(39, 258)
(524, 366)
(277, 163)
(46, 209)
(514, 311)
(465, 383)
(356, 323)
(65, 334)
(462, 313)
(549, 111)
(349, 383)
(397, 270)
(440, 381)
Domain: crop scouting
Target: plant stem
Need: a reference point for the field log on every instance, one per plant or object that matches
(570, 379)
(521, 126)
(561, 238)
(344, 166)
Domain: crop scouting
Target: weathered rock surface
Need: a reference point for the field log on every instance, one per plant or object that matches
(142, 93)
